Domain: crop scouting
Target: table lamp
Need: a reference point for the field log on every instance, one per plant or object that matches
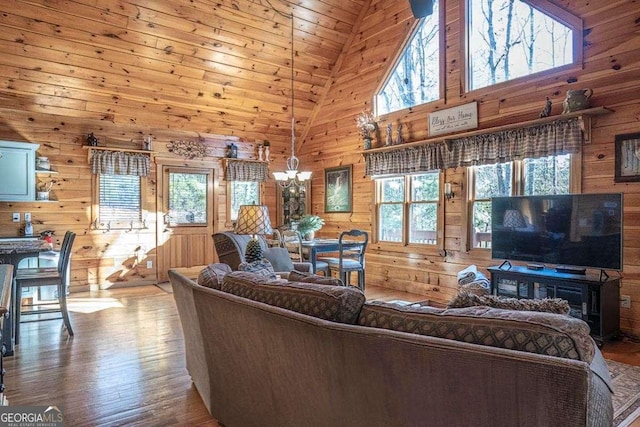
(253, 220)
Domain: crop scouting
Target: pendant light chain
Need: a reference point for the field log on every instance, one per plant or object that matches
(291, 176)
(293, 117)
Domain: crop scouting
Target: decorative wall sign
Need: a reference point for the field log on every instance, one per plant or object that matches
(188, 149)
(337, 189)
(454, 119)
(627, 157)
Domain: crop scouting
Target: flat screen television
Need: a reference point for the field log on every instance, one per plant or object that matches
(581, 230)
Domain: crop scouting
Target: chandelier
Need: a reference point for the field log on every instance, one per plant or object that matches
(292, 176)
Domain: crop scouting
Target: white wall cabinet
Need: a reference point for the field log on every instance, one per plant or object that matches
(17, 171)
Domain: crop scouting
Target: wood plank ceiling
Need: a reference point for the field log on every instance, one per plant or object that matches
(220, 67)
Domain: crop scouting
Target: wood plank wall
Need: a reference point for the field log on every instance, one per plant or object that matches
(611, 69)
(124, 69)
(100, 258)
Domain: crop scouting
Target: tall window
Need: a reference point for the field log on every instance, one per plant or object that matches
(242, 193)
(119, 201)
(546, 175)
(408, 208)
(507, 39)
(415, 78)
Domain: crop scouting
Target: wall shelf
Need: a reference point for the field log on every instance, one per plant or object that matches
(46, 172)
(584, 115)
(89, 148)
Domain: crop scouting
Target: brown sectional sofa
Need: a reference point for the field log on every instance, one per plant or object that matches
(277, 353)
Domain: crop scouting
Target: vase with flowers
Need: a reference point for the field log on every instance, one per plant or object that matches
(366, 127)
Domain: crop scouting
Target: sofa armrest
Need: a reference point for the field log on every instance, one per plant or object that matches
(302, 266)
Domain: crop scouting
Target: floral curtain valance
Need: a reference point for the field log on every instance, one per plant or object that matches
(238, 170)
(548, 139)
(120, 163)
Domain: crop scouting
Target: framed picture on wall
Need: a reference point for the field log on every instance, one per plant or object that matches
(337, 189)
(627, 157)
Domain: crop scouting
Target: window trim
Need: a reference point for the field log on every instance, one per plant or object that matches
(95, 208)
(442, 66)
(517, 188)
(406, 212)
(546, 7)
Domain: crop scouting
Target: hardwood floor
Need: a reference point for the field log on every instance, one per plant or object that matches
(125, 365)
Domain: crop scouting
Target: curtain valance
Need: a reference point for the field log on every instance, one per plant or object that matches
(542, 140)
(238, 170)
(120, 163)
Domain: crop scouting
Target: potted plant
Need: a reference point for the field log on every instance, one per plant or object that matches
(308, 225)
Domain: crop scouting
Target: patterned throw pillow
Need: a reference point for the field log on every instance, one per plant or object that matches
(211, 276)
(262, 268)
(547, 305)
(303, 277)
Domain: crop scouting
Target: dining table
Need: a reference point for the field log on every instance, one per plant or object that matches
(316, 246)
(13, 250)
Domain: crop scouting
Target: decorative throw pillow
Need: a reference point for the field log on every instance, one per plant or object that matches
(548, 305)
(478, 287)
(471, 279)
(262, 268)
(304, 277)
(467, 275)
(211, 276)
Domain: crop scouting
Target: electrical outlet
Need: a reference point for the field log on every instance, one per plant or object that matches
(16, 217)
(149, 264)
(27, 216)
(625, 301)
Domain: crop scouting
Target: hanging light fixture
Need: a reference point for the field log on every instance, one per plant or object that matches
(292, 176)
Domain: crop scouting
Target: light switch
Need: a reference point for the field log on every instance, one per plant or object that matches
(27, 217)
(16, 217)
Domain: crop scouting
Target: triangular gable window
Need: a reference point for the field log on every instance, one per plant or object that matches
(508, 39)
(415, 77)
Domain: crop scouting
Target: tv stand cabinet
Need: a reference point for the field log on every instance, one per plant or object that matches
(592, 299)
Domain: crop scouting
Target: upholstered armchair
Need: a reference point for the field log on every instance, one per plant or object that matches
(231, 248)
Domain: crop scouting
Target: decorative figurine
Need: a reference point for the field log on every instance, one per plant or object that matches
(389, 137)
(399, 140)
(146, 143)
(267, 147)
(232, 151)
(260, 152)
(92, 141)
(547, 109)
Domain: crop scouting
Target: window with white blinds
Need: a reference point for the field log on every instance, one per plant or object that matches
(119, 200)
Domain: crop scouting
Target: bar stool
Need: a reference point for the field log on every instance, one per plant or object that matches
(46, 276)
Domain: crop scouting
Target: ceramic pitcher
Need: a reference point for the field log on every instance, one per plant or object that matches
(577, 99)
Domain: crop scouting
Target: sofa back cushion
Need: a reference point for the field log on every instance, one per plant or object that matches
(533, 332)
(306, 277)
(336, 303)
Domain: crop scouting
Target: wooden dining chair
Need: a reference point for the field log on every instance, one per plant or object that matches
(46, 276)
(292, 240)
(350, 257)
